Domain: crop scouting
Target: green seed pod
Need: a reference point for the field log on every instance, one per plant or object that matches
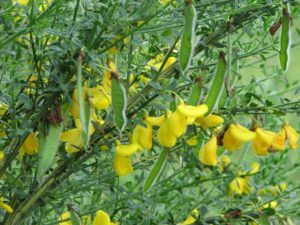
(217, 86)
(85, 110)
(156, 170)
(119, 101)
(187, 39)
(285, 39)
(196, 92)
(48, 149)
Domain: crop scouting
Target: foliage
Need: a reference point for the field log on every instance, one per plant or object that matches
(99, 123)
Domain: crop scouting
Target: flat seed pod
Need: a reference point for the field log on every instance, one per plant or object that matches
(119, 101)
(156, 170)
(187, 39)
(49, 147)
(217, 86)
(85, 111)
(284, 39)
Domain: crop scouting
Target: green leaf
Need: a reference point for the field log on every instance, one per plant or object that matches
(263, 220)
(119, 101)
(155, 170)
(48, 148)
(187, 39)
(217, 86)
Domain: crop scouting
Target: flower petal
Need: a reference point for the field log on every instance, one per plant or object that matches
(208, 153)
(122, 165)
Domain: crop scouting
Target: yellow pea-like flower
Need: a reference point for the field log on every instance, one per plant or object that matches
(98, 97)
(73, 140)
(106, 81)
(30, 145)
(263, 141)
(21, 2)
(235, 135)
(176, 124)
(239, 186)
(155, 121)
(279, 140)
(143, 136)
(170, 61)
(164, 136)
(122, 165)
(127, 150)
(178, 121)
(254, 168)
(65, 216)
(291, 136)
(1, 156)
(192, 141)
(191, 218)
(102, 218)
(209, 121)
(208, 153)
(144, 79)
(5, 206)
(273, 204)
(192, 111)
(3, 108)
(224, 162)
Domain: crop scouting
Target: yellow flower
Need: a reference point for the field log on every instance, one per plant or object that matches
(106, 81)
(239, 186)
(263, 141)
(175, 124)
(3, 108)
(164, 137)
(224, 162)
(178, 121)
(273, 204)
(73, 138)
(235, 135)
(21, 2)
(291, 135)
(5, 206)
(254, 168)
(191, 218)
(30, 145)
(65, 216)
(127, 150)
(143, 135)
(279, 140)
(98, 97)
(155, 121)
(1, 156)
(208, 153)
(192, 141)
(209, 121)
(102, 218)
(144, 79)
(122, 165)
(275, 190)
(158, 61)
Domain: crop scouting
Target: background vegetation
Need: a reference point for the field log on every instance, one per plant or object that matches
(40, 42)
